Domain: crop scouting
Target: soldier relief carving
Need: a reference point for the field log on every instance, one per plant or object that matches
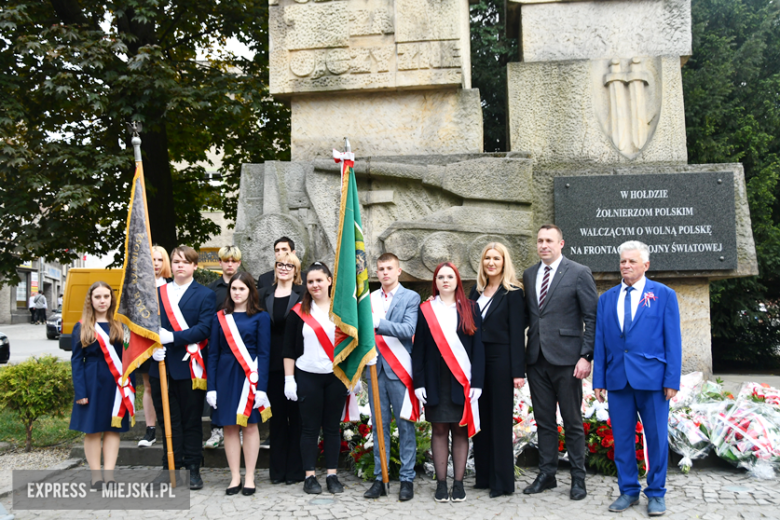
(627, 101)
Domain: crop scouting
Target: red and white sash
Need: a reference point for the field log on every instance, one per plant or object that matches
(351, 413)
(249, 365)
(197, 364)
(399, 359)
(457, 360)
(124, 396)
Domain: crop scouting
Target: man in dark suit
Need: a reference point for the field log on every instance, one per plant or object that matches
(187, 309)
(638, 359)
(561, 302)
(282, 245)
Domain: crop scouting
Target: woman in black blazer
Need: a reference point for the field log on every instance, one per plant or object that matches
(501, 301)
(285, 425)
(453, 315)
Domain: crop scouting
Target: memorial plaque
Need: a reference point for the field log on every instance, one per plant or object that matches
(687, 220)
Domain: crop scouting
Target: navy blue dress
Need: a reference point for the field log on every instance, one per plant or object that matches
(224, 373)
(92, 379)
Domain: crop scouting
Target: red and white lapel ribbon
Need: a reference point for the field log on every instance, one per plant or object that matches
(457, 360)
(399, 359)
(197, 364)
(351, 412)
(124, 397)
(248, 365)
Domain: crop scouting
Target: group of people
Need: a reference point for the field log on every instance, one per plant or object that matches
(37, 306)
(248, 346)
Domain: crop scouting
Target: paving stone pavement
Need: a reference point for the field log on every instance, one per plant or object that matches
(707, 494)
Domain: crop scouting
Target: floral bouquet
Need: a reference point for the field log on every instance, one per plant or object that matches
(524, 429)
(760, 393)
(747, 434)
(359, 440)
(688, 387)
(601, 442)
(688, 437)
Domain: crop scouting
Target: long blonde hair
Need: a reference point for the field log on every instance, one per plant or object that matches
(116, 333)
(165, 272)
(509, 278)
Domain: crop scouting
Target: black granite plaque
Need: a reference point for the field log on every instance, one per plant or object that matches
(687, 219)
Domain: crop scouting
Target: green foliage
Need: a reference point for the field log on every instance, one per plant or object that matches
(205, 277)
(732, 114)
(49, 430)
(491, 50)
(36, 388)
(76, 71)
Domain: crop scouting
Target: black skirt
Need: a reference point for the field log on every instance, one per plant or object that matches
(446, 411)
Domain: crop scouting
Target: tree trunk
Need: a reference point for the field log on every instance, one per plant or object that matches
(28, 444)
(159, 188)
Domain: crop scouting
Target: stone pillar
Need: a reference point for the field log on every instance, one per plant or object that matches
(599, 92)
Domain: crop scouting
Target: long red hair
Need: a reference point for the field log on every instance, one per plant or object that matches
(463, 304)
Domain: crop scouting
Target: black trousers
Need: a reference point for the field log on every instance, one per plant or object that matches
(321, 399)
(551, 384)
(494, 459)
(186, 407)
(285, 432)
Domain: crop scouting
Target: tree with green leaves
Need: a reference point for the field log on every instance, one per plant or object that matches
(75, 72)
(732, 112)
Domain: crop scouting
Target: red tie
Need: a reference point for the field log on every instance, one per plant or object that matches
(545, 285)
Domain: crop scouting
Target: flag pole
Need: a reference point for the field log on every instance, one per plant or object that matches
(163, 373)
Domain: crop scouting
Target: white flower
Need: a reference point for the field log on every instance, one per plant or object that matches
(395, 434)
(369, 444)
(348, 434)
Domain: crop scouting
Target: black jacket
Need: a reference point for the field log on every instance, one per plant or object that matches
(504, 323)
(277, 340)
(426, 359)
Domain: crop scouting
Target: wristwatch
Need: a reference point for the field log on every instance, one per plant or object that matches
(587, 357)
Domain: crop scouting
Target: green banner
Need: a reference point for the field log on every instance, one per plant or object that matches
(350, 306)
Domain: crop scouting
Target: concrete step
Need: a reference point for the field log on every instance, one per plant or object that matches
(138, 431)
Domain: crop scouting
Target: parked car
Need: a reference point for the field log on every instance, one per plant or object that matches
(5, 348)
(54, 324)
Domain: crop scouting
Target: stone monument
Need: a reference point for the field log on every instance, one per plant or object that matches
(596, 128)
(597, 101)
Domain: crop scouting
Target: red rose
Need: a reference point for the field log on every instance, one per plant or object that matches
(560, 429)
(593, 447)
(608, 441)
(561, 446)
(586, 427)
(611, 455)
(640, 455)
(639, 427)
(636, 439)
(602, 431)
(609, 422)
(364, 429)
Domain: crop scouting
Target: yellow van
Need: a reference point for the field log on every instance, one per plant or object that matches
(76, 286)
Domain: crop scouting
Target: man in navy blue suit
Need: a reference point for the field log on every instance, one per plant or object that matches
(186, 311)
(638, 359)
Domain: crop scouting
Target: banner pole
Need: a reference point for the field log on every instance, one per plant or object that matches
(167, 422)
(379, 438)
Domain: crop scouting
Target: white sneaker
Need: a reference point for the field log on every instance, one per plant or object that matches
(149, 438)
(215, 440)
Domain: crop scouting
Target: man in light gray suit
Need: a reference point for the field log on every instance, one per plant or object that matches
(395, 319)
(561, 302)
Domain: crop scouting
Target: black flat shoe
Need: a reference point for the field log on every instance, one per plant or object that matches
(247, 491)
(97, 486)
(311, 486)
(334, 486)
(578, 491)
(377, 490)
(541, 483)
(279, 481)
(233, 490)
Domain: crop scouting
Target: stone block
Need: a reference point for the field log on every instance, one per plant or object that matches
(422, 122)
(368, 45)
(598, 112)
(598, 29)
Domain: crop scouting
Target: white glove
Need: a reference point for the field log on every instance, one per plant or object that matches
(376, 321)
(421, 395)
(261, 399)
(290, 388)
(358, 387)
(475, 393)
(211, 398)
(159, 354)
(373, 361)
(166, 336)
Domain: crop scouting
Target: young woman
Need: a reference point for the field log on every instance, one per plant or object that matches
(501, 302)
(285, 428)
(102, 404)
(162, 274)
(309, 378)
(239, 350)
(448, 361)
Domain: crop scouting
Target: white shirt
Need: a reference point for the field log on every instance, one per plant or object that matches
(314, 358)
(387, 299)
(160, 281)
(484, 302)
(447, 314)
(540, 276)
(636, 295)
(32, 301)
(176, 291)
